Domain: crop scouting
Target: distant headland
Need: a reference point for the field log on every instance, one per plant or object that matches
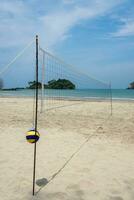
(131, 86)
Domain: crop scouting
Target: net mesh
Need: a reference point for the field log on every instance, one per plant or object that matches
(63, 85)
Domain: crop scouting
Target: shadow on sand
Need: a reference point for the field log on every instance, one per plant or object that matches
(43, 182)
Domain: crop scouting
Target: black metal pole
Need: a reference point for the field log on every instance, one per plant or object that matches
(36, 114)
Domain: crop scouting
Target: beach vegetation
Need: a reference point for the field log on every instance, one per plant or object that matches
(32, 85)
(131, 86)
(1, 84)
(60, 84)
(53, 84)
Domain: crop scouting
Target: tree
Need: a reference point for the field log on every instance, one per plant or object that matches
(61, 84)
(1, 83)
(131, 85)
(32, 85)
(53, 84)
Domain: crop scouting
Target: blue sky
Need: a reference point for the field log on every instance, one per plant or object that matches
(96, 36)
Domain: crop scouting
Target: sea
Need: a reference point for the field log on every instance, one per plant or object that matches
(117, 94)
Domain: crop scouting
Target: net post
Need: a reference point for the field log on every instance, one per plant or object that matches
(36, 115)
(42, 84)
(111, 98)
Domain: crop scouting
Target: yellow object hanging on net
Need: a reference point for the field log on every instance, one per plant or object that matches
(32, 136)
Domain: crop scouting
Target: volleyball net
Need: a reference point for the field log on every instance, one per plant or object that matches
(60, 84)
(63, 84)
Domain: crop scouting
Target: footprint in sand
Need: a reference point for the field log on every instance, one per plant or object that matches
(129, 186)
(75, 192)
(129, 182)
(115, 198)
(100, 130)
(115, 192)
(57, 196)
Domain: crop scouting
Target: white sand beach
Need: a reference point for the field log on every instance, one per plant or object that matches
(83, 152)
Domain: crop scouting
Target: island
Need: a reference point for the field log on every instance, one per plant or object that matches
(53, 84)
(131, 86)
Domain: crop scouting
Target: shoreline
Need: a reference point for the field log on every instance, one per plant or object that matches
(72, 98)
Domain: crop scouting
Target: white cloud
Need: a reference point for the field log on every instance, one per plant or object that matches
(20, 22)
(57, 25)
(68, 1)
(15, 8)
(127, 29)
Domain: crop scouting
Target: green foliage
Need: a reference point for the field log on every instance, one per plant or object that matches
(1, 84)
(53, 84)
(32, 85)
(131, 85)
(61, 84)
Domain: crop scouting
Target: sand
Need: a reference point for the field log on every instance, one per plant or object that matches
(84, 152)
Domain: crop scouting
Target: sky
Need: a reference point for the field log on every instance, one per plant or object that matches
(96, 36)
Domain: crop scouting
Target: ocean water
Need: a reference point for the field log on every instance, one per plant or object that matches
(122, 94)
